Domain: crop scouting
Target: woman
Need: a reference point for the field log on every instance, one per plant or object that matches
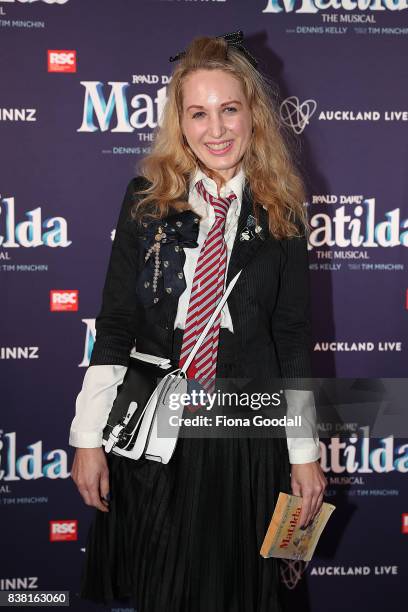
(185, 536)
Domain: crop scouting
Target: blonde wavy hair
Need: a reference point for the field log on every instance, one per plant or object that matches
(268, 162)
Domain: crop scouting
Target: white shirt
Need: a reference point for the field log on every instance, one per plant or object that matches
(100, 383)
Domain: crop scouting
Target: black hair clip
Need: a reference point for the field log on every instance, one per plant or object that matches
(235, 40)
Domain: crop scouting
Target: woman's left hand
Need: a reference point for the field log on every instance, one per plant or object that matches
(309, 482)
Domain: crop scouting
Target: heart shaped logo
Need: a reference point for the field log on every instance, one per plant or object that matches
(295, 114)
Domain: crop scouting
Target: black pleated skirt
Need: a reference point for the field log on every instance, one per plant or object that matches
(185, 537)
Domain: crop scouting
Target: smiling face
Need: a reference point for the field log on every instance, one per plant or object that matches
(216, 120)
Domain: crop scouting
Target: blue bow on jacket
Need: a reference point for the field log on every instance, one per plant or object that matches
(164, 256)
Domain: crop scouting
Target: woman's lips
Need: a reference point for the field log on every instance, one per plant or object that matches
(221, 151)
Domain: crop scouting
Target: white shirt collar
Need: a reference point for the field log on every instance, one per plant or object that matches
(235, 184)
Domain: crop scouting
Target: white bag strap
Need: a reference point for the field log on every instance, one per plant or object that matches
(209, 323)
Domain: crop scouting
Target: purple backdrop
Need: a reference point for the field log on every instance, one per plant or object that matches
(82, 87)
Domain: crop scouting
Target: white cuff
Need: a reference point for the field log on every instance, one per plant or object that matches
(94, 403)
(85, 439)
(303, 450)
(305, 447)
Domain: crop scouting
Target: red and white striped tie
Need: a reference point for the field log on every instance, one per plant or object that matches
(207, 290)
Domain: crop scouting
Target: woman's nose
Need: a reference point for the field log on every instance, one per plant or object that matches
(216, 127)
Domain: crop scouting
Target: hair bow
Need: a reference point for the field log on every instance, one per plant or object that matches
(233, 39)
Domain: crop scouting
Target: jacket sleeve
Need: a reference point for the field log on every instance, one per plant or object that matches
(117, 319)
(291, 327)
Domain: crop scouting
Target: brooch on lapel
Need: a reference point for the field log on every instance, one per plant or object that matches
(251, 230)
(164, 256)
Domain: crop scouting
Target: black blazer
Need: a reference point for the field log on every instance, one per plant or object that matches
(269, 305)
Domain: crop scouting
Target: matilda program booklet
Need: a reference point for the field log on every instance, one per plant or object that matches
(284, 538)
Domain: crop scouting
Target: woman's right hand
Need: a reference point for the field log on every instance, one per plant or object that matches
(90, 473)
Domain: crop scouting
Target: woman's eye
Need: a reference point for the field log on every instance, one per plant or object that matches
(198, 114)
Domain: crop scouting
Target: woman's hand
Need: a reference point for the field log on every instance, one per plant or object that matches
(90, 473)
(309, 482)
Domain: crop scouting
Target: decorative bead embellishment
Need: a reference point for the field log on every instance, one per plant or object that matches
(168, 289)
(160, 234)
(146, 283)
(165, 263)
(177, 248)
(156, 250)
(180, 274)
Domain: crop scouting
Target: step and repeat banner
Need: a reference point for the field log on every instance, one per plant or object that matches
(82, 87)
